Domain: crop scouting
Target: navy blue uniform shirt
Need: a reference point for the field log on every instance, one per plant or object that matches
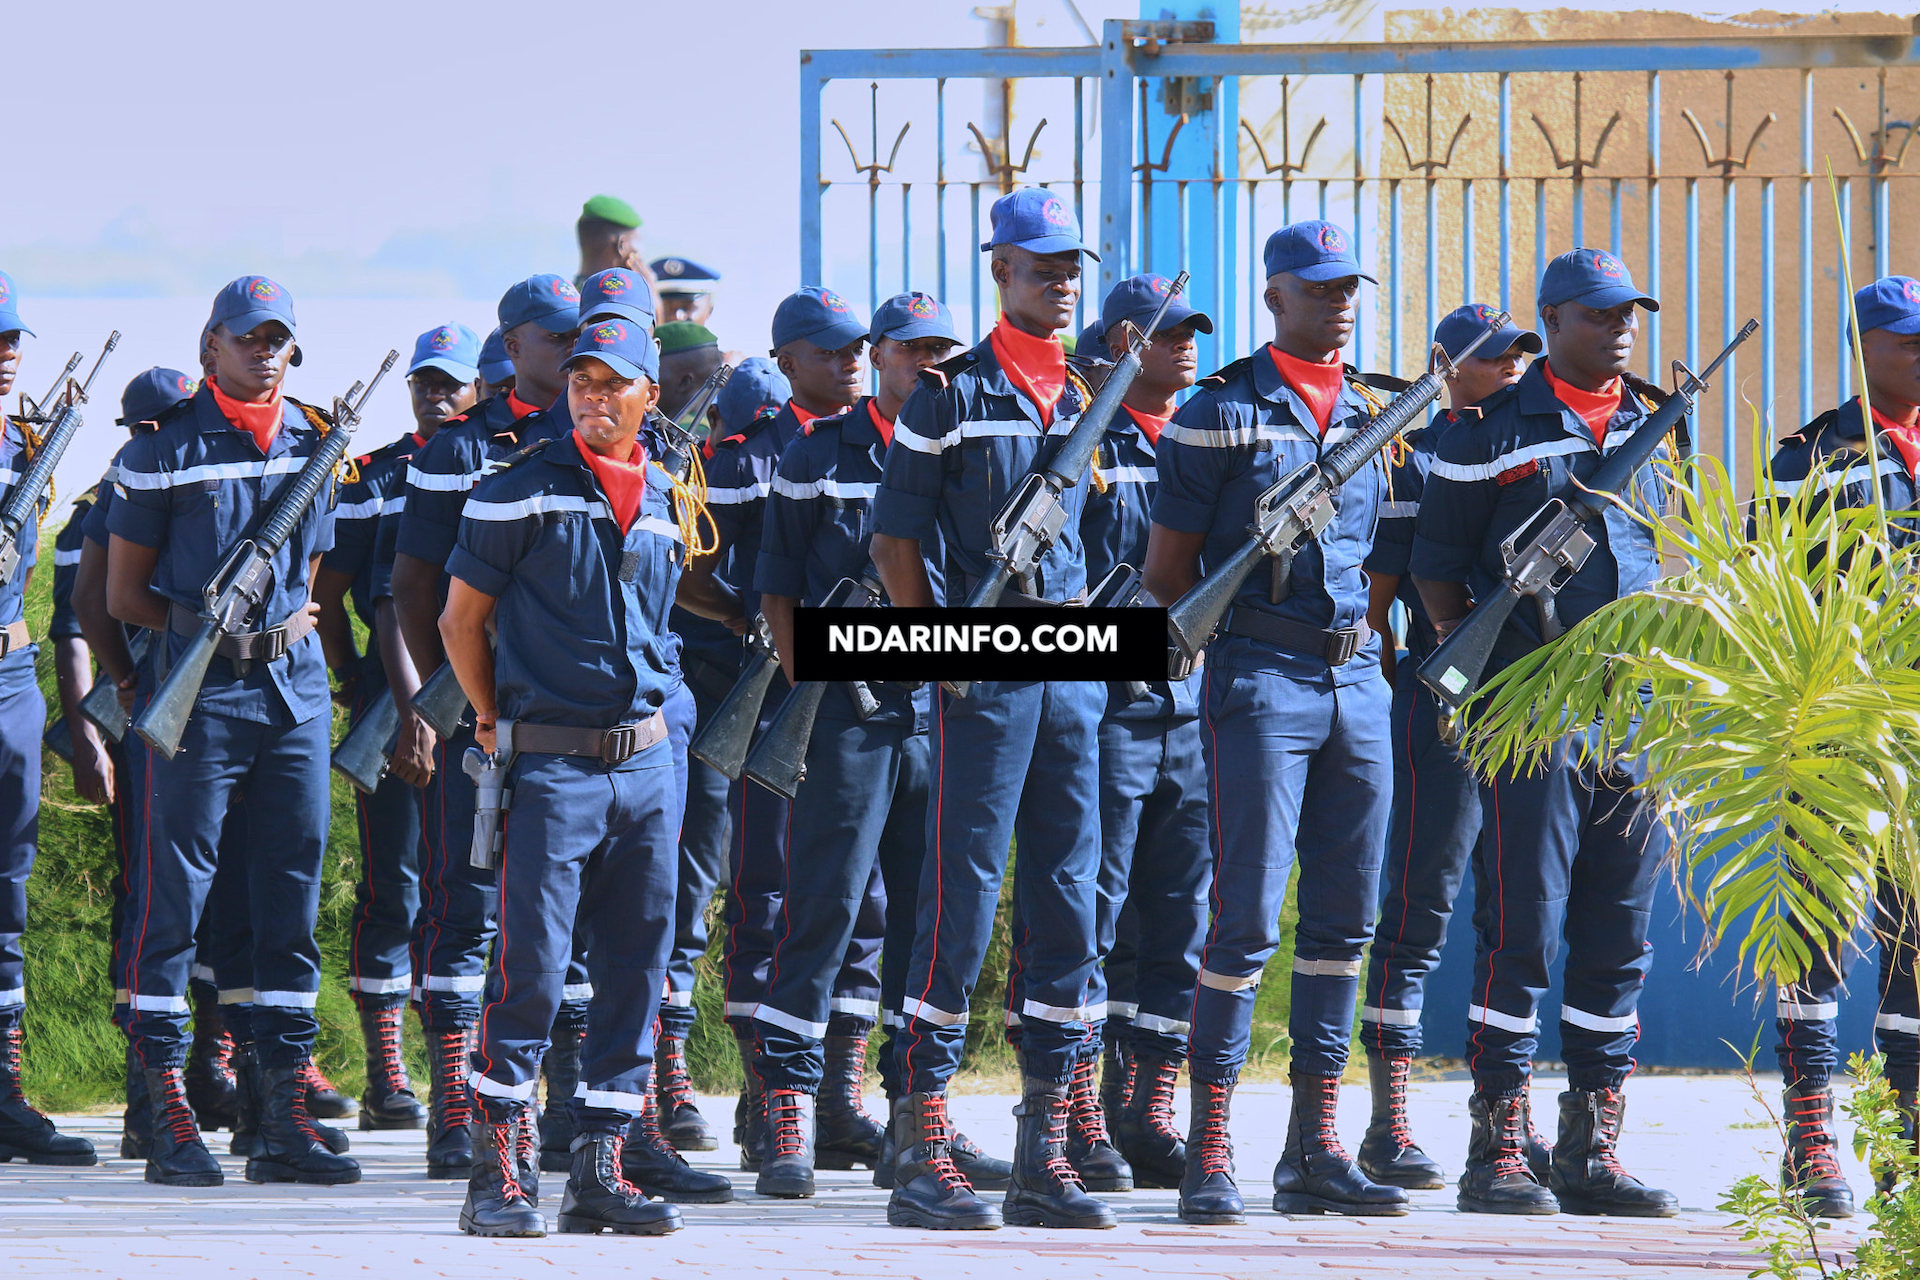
(1490, 475)
(1244, 430)
(16, 669)
(378, 487)
(193, 489)
(965, 440)
(1393, 537)
(1831, 453)
(582, 618)
(65, 625)
(442, 472)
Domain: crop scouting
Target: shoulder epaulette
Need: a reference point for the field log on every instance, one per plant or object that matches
(1220, 377)
(941, 375)
(526, 453)
(1651, 394)
(1378, 381)
(166, 415)
(88, 498)
(319, 419)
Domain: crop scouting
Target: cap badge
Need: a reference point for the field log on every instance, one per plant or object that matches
(1055, 214)
(925, 308)
(264, 290)
(673, 267)
(1912, 289)
(1160, 285)
(608, 334)
(1331, 239)
(187, 385)
(565, 289)
(613, 286)
(442, 339)
(833, 302)
(5, 293)
(1607, 265)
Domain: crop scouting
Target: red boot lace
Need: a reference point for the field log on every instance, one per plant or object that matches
(1606, 1131)
(1083, 1105)
(10, 1091)
(1216, 1148)
(650, 1126)
(615, 1176)
(392, 1068)
(220, 1066)
(1813, 1141)
(1318, 1101)
(675, 1084)
(938, 1134)
(857, 1073)
(1398, 1070)
(783, 1121)
(1507, 1116)
(311, 1077)
(302, 1120)
(171, 1113)
(1058, 1112)
(1159, 1109)
(510, 1137)
(450, 1077)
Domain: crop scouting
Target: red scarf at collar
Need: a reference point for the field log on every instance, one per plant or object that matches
(519, 407)
(1151, 425)
(624, 482)
(1596, 408)
(261, 421)
(1905, 437)
(1317, 384)
(881, 422)
(801, 415)
(1037, 367)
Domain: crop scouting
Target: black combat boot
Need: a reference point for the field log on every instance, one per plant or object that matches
(1539, 1152)
(136, 1123)
(1089, 1148)
(1586, 1176)
(844, 1135)
(561, 1066)
(1046, 1190)
(680, 1120)
(389, 1102)
(750, 1112)
(1146, 1133)
(1388, 1154)
(1208, 1196)
(324, 1102)
(982, 1171)
(176, 1156)
(450, 1117)
(213, 1085)
(291, 1149)
(928, 1191)
(599, 1197)
(25, 1134)
(246, 1102)
(1117, 1073)
(526, 1148)
(652, 1164)
(1810, 1167)
(497, 1203)
(1315, 1173)
(1498, 1177)
(786, 1166)
(1885, 1179)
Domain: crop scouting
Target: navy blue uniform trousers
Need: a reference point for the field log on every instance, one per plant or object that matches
(592, 845)
(1808, 1048)
(455, 920)
(386, 898)
(1430, 837)
(23, 718)
(706, 826)
(756, 864)
(1017, 758)
(1295, 768)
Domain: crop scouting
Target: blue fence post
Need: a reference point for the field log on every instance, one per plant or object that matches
(1116, 157)
(811, 86)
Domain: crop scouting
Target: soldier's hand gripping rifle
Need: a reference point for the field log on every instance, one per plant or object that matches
(778, 761)
(23, 501)
(1031, 519)
(723, 741)
(245, 580)
(1550, 545)
(1294, 511)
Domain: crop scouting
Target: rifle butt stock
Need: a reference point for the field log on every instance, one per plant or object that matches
(1194, 616)
(778, 761)
(164, 722)
(361, 756)
(1455, 670)
(723, 741)
(441, 702)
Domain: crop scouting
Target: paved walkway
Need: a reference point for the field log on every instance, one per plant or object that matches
(1689, 1134)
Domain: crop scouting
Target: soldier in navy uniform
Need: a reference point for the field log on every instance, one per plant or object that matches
(1829, 456)
(686, 289)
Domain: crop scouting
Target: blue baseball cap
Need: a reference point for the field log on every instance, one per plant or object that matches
(152, 393)
(1891, 303)
(1137, 297)
(820, 316)
(452, 348)
(625, 347)
(683, 275)
(616, 292)
(10, 306)
(1092, 341)
(757, 389)
(549, 301)
(1459, 327)
(1315, 251)
(495, 366)
(906, 316)
(1035, 219)
(249, 302)
(1591, 277)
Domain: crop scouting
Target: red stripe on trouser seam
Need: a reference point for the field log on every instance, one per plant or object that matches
(1215, 837)
(939, 878)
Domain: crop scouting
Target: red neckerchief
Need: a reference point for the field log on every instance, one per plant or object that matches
(800, 415)
(1037, 367)
(1150, 424)
(624, 481)
(1318, 383)
(881, 422)
(261, 421)
(419, 441)
(520, 408)
(1905, 437)
(1596, 408)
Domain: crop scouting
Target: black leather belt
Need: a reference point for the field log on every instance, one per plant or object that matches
(1337, 647)
(269, 645)
(609, 746)
(14, 636)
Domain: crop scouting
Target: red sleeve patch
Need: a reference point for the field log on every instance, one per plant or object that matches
(1513, 474)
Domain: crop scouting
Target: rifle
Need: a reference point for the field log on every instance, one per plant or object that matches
(778, 761)
(361, 757)
(684, 433)
(38, 413)
(1556, 543)
(1121, 589)
(245, 580)
(24, 499)
(1033, 515)
(440, 700)
(102, 703)
(1294, 511)
(722, 742)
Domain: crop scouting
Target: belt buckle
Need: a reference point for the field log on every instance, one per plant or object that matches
(1342, 645)
(619, 744)
(273, 644)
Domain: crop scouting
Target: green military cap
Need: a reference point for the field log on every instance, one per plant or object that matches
(684, 335)
(611, 209)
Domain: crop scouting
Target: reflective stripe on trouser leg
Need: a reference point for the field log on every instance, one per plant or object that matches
(1013, 755)
(455, 923)
(1172, 872)
(1292, 765)
(705, 829)
(1430, 835)
(23, 717)
(1897, 1026)
(386, 897)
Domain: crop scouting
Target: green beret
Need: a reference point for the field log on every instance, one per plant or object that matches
(684, 335)
(611, 209)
